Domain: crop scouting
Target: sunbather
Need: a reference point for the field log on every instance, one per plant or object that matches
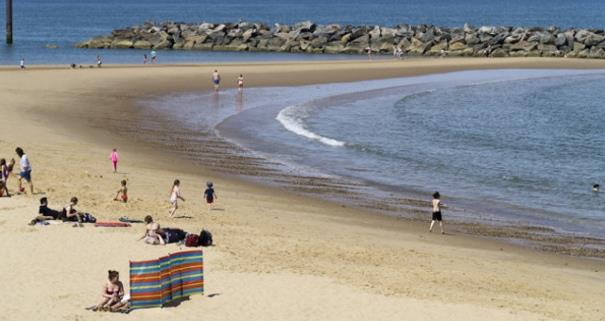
(70, 214)
(151, 235)
(122, 194)
(45, 213)
(113, 292)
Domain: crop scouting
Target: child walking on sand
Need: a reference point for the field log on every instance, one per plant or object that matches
(112, 293)
(436, 212)
(210, 194)
(122, 194)
(114, 159)
(175, 195)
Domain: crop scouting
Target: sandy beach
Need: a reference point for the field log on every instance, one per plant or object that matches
(278, 255)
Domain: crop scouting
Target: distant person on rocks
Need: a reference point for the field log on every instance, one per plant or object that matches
(45, 213)
(122, 194)
(4, 172)
(240, 82)
(144, 59)
(26, 171)
(175, 195)
(22, 63)
(436, 212)
(596, 188)
(154, 57)
(114, 157)
(216, 80)
(99, 61)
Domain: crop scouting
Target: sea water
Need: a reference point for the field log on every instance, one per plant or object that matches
(63, 23)
(507, 146)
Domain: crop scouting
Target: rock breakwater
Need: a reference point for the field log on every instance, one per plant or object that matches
(308, 37)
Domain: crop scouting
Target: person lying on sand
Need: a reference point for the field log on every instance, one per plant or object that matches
(45, 213)
(122, 194)
(151, 235)
(112, 294)
(70, 214)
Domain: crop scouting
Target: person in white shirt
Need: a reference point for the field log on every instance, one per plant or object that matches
(26, 171)
(22, 63)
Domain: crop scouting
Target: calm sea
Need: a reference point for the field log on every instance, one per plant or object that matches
(39, 23)
(503, 146)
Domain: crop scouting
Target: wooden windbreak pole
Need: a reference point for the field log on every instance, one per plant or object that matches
(9, 21)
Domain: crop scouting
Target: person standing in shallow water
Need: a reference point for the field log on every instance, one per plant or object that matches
(216, 80)
(437, 212)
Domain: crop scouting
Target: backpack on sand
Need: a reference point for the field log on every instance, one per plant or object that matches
(192, 240)
(205, 238)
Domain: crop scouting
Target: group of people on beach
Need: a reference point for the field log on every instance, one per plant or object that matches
(216, 81)
(25, 173)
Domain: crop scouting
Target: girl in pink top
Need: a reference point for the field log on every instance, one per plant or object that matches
(114, 159)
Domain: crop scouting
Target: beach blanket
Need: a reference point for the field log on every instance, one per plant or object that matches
(155, 283)
(111, 224)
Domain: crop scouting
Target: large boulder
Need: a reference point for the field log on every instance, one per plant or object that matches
(121, 44)
(142, 44)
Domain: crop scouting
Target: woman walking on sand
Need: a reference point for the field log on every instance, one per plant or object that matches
(114, 157)
(437, 212)
(175, 195)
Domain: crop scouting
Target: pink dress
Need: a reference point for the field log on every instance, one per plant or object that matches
(114, 158)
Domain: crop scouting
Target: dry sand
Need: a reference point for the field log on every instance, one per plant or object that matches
(278, 256)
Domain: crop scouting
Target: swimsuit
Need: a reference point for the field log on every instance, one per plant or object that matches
(437, 216)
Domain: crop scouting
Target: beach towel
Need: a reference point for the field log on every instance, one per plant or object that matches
(111, 224)
(155, 283)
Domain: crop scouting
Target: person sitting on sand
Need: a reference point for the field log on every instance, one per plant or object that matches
(151, 235)
(122, 194)
(4, 178)
(70, 214)
(175, 195)
(436, 212)
(112, 293)
(210, 194)
(45, 213)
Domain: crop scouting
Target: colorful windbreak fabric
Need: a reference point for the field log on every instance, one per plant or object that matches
(155, 283)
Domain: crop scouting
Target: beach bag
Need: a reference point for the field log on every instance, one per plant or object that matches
(192, 240)
(88, 218)
(205, 238)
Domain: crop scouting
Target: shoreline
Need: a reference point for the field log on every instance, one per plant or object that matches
(225, 154)
(70, 120)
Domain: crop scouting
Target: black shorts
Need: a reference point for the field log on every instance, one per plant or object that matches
(437, 216)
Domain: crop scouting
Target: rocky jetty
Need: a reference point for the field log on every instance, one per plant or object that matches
(308, 37)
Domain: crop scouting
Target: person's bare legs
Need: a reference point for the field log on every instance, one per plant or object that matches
(432, 224)
(441, 226)
(31, 187)
(172, 210)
